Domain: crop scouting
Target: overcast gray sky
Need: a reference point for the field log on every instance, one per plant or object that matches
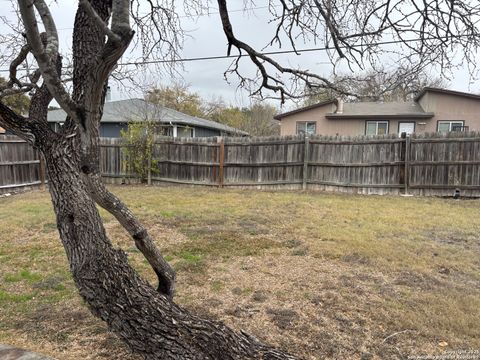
(206, 38)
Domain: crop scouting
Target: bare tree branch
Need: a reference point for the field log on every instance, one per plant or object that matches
(121, 16)
(99, 21)
(268, 81)
(44, 61)
(14, 86)
(22, 55)
(360, 34)
(143, 241)
(159, 30)
(18, 124)
(51, 47)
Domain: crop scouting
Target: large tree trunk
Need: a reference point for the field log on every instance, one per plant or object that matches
(148, 321)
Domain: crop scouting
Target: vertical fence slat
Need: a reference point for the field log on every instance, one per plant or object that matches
(305, 163)
(407, 161)
(221, 157)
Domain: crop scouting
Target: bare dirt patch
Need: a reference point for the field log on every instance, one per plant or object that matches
(69, 333)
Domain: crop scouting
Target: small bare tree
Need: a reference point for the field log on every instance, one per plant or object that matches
(147, 319)
(259, 120)
(377, 85)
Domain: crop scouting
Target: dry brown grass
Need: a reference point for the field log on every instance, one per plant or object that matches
(321, 275)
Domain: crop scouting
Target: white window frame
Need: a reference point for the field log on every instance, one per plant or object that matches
(407, 122)
(306, 123)
(450, 124)
(178, 127)
(376, 126)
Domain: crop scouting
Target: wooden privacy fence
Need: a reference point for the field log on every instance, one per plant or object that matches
(20, 165)
(429, 164)
(423, 164)
(438, 164)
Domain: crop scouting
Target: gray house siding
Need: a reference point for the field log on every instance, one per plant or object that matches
(112, 129)
(106, 130)
(204, 132)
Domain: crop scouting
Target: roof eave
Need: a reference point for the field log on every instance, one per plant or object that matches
(377, 116)
(229, 130)
(179, 122)
(445, 91)
(306, 108)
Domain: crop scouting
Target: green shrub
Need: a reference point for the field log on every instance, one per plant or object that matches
(139, 141)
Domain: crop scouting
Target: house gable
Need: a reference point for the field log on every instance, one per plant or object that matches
(448, 105)
(311, 114)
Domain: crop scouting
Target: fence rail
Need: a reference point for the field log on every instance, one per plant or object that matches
(424, 164)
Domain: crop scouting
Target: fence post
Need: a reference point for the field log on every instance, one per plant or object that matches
(407, 160)
(221, 158)
(149, 171)
(403, 146)
(305, 163)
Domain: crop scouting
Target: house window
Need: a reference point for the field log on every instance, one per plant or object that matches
(446, 126)
(184, 131)
(376, 128)
(407, 127)
(305, 127)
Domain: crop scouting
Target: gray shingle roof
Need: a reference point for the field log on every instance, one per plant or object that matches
(394, 108)
(140, 110)
(310, 107)
(360, 110)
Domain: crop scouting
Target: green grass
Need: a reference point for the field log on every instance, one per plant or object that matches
(22, 275)
(190, 262)
(6, 297)
(355, 268)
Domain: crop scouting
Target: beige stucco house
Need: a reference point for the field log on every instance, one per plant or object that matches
(432, 110)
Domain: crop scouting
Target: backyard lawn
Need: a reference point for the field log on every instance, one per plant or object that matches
(324, 276)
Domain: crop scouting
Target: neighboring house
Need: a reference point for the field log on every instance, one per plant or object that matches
(117, 115)
(432, 110)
